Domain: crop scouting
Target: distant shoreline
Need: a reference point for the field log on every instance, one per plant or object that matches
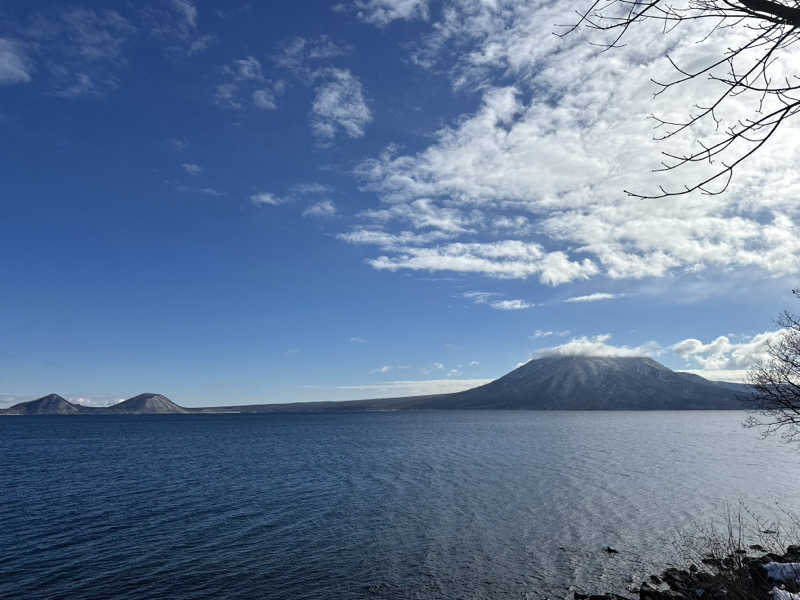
(568, 383)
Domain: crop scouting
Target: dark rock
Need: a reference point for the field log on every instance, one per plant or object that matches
(758, 548)
(611, 550)
(580, 596)
(676, 579)
(648, 592)
(655, 579)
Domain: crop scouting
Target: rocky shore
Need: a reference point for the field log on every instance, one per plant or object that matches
(738, 576)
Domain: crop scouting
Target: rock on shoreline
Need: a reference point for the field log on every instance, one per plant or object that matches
(734, 577)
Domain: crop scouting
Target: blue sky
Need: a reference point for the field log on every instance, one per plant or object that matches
(279, 202)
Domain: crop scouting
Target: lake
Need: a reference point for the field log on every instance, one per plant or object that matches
(375, 505)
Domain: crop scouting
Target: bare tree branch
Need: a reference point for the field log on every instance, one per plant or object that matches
(751, 70)
(776, 383)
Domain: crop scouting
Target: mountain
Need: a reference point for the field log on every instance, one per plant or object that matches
(143, 404)
(557, 383)
(147, 404)
(598, 383)
(52, 404)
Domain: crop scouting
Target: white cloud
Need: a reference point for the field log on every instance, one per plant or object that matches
(311, 188)
(474, 363)
(299, 54)
(425, 214)
(504, 259)
(96, 401)
(245, 68)
(596, 297)
(244, 78)
(480, 297)
(718, 360)
(7, 400)
(325, 208)
(187, 10)
(383, 12)
(391, 241)
(546, 171)
(200, 43)
(511, 305)
(383, 369)
(264, 99)
(339, 106)
(724, 354)
(82, 85)
(597, 346)
(265, 199)
(227, 94)
(177, 144)
(192, 168)
(490, 298)
(15, 66)
(438, 365)
(177, 25)
(540, 333)
(357, 340)
(82, 49)
(416, 388)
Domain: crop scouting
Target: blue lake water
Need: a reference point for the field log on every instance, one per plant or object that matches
(377, 505)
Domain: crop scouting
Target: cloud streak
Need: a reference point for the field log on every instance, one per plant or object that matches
(596, 297)
(491, 299)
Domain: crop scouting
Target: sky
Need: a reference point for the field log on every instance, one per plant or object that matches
(298, 201)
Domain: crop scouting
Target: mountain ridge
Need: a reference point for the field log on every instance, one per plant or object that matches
(547, 383)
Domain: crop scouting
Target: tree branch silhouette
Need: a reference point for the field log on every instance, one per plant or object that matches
(749, 70)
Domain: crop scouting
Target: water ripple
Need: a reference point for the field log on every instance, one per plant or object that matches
(384, 506)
